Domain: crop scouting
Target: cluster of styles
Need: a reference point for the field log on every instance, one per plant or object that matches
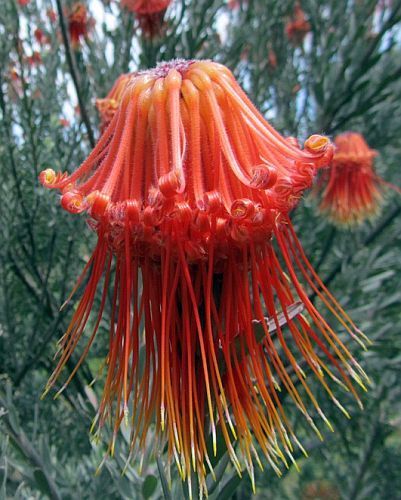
(190, 190)
(351, 188)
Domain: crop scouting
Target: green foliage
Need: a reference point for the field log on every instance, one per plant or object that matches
(345, 75)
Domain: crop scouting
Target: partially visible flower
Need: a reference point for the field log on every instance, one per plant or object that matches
(64, 122)
(298, 27)
(295, 89)
(272, 59)
(40, 36)
(235, 4)
(352, 189)
(244, 52)
(37, 94)
(146, 6)
(15, 83)
(34, 59)
(23, 3)
(186, 189)
(108, 106)
(79, 23)
(149, 13)
(51, 14)
(13, 73)
(320, 490)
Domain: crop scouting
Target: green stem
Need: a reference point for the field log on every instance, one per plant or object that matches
(74, 74)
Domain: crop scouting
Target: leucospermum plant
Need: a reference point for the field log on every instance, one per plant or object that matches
(190, 191)
(79, 23)
(352, 190)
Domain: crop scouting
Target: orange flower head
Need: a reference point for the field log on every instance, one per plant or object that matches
(298, 27)
(79, 23)
(107, 107)
(150, 14)
(352, 192)
(189, 190)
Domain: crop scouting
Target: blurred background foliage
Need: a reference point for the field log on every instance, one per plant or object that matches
(344, 74)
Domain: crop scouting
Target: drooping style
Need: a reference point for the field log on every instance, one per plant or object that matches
(189, 190)
(352, 191)
(150, 14)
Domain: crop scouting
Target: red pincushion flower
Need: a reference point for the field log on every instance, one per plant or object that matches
(298, 27)
(352, 193)
(150, 14)
(79, 23)
(188, 189)
(108, 106)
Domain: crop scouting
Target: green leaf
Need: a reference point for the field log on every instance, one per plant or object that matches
(163, 479)
(41, 482)
(319, 92)
(230, 488)
(125, 487)
(149, 486)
